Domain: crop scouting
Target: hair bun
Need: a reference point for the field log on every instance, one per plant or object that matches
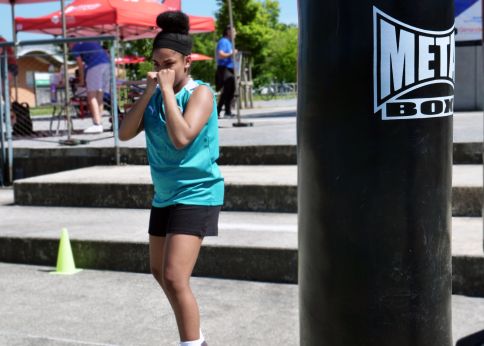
(175, 22)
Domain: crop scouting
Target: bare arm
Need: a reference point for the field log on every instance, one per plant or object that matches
(223, 55)
(183, 128)
(132, 123)
(80, 65)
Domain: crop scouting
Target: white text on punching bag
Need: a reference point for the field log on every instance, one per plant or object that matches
(407, 58)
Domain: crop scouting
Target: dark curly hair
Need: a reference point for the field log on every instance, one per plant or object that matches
(227, 30)
(174, 26)
(175, 22)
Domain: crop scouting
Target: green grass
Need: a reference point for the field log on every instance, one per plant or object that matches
(42, 110)
(47, 109)
(287, 96)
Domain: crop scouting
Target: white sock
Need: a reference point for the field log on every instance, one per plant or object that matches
(191, 343)
(194, 342)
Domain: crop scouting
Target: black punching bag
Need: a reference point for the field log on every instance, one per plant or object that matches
(375, 107)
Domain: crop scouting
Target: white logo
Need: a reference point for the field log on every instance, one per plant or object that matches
(152, 109)
(86, 7)
(408, 61)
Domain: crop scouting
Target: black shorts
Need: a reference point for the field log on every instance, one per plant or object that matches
(199, 220)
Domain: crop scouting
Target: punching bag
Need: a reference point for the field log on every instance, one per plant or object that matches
(375, 107)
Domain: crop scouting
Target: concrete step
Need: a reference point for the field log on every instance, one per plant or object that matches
(250, 246)
(248, 188)
(467, 256)
(467, 153)
(467, 191)
(31, 162)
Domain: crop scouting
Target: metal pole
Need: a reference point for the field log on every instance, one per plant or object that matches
(14, 37)
(61, 40)
(114, 102)
(374, 132)
(236, 74)
(3, 153)
(482, 144)
(66, 75)
(8, 123)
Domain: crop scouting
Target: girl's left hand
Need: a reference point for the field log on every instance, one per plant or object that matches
(166, 78)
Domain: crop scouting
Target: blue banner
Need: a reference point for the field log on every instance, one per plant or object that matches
(462, 5)
(468, 20)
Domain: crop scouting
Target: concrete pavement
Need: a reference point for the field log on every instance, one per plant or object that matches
(468, 127)
(115, 308)
(274, 124)
(278, 121)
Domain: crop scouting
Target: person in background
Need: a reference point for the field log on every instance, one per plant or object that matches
(224, 76)
(94, 73)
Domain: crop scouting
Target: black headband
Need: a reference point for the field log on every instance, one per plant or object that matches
(178, 42)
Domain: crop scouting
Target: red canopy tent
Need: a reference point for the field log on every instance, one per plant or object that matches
(22, 2)
(12, 4)
(130, 59)
(200, 57)
(127, 19)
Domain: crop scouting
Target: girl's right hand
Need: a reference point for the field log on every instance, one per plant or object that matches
(152, 81)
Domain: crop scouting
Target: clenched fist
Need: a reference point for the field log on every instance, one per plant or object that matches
(151, 79)
(166, 78)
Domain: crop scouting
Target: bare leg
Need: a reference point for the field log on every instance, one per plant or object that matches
(92, 101)
(157, 252)
(100, 102)
(181, 252)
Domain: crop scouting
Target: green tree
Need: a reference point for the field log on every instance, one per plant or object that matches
(271, 46)
(254, 22)
(281, 60)
(204, 70)
(139, 48)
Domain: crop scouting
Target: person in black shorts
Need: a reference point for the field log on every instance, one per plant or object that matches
(179, 117)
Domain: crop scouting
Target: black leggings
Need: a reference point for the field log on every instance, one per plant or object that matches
(225, 80)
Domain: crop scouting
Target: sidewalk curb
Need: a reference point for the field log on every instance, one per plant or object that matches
(466, 201)
(227, 262)
(224, 262)
(32, 162)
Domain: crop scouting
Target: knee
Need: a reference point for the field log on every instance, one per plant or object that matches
(173, 282)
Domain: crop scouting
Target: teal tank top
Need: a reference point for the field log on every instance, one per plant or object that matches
(189, 175)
